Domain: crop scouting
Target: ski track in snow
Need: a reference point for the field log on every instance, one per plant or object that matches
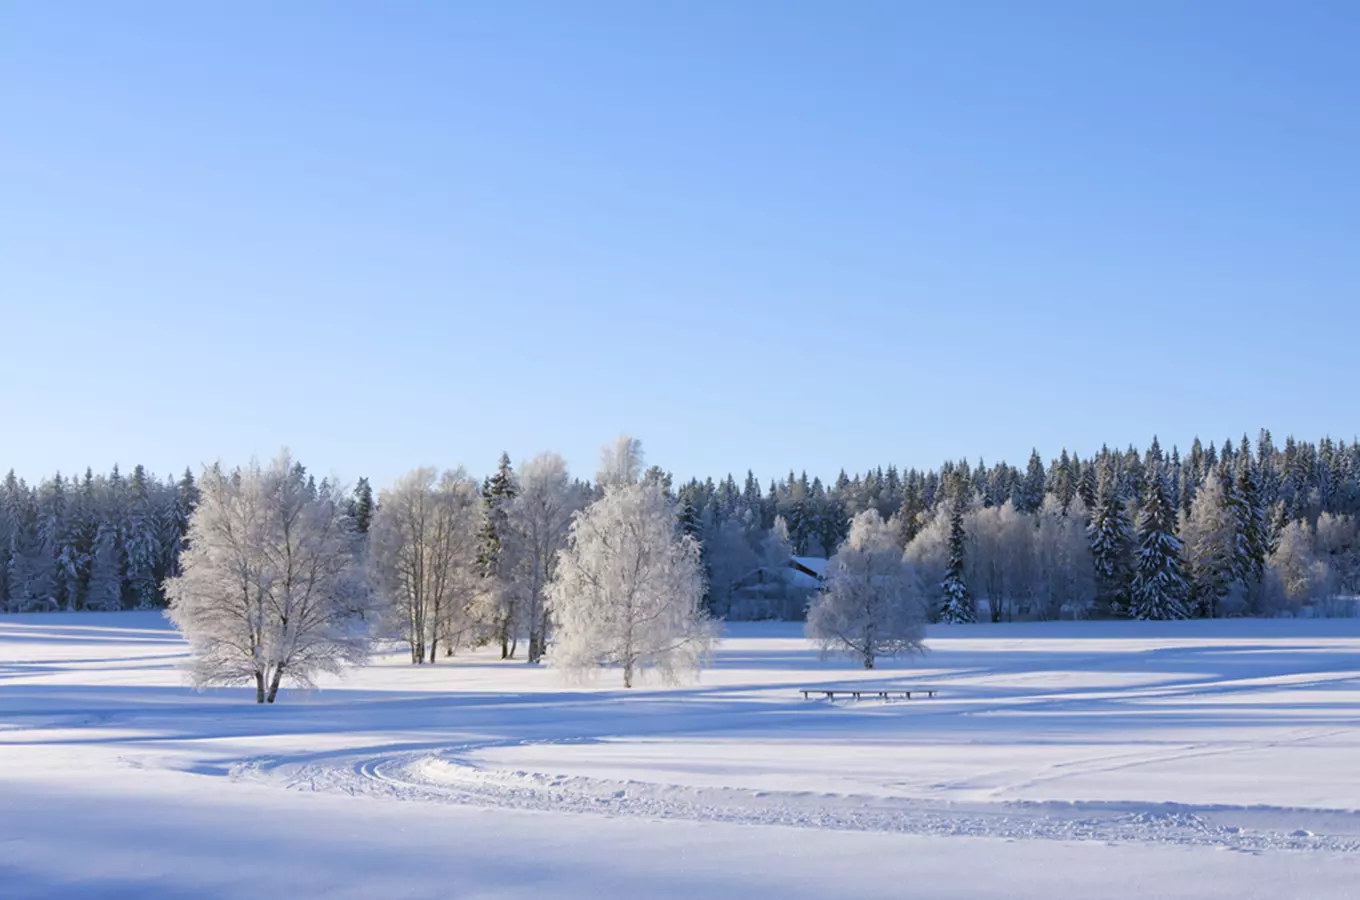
(1186, 703)
(449, 776)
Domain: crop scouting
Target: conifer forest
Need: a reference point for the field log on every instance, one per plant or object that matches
(1239, 528)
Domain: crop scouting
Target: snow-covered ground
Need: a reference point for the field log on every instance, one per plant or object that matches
(1192, 759)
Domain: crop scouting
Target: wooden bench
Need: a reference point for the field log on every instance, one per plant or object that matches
(857, 692)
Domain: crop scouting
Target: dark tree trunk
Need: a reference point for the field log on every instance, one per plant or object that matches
(274, 685)
(259, 687)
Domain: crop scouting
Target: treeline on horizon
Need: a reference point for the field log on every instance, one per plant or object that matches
(1247, 527)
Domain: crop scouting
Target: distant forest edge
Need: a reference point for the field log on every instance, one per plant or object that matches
(1236, 529)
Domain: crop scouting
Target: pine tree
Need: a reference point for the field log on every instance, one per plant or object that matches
(181, 510)
(1252, 547)
(1110, 536)
(1086, 482)
(105, 590)
(86, 528)
(497, 492)
(1031, 494)
(1061, 482)
(30, 564)
(911, 515)
(957, 603)
(1173, 481)
(10, 502)
(142, 544)
(361, 509)
(1159, 588)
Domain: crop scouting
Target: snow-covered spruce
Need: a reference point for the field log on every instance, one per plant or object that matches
(1111, 541)
(956, 604)
(1159, 586)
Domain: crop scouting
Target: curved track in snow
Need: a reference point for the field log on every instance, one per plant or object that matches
(451, 776)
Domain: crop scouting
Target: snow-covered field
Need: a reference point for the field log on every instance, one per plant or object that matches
(1191, 759)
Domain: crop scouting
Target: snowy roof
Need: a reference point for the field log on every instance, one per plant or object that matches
(814, 564)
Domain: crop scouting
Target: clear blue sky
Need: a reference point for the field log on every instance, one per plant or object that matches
(769, 235)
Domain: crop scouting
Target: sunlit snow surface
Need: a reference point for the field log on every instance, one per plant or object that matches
(1194, 759)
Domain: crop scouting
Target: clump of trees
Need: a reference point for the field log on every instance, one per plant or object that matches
(421, 549)
(1241, 529)
(101, 542)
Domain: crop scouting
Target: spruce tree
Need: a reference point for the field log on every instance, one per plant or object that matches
(1062, 482)
(688, 518)
(1159, 588)
(497, 491)
(1086, 482)
(361, 510)
(1110, 543)
(911, 514)
(957, 603)
(1252, 547)
(1031, 493)
(141, 544)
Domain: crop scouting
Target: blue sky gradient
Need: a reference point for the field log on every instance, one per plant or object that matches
(762, 234)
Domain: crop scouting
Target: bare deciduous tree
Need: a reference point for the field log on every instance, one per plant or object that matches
(423, 543)
(539, 518)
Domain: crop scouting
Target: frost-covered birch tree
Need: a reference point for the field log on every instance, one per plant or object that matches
(1296, 574)
(873, 604)
(423, 542)
(620, 463)
(1209, 534)
(270, 586)
(628, 590)
(538, 520)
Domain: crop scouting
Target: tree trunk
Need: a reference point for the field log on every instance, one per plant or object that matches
(434, 648)
(274, 684)
(628, 674)
(259, 686)
(868, 660)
